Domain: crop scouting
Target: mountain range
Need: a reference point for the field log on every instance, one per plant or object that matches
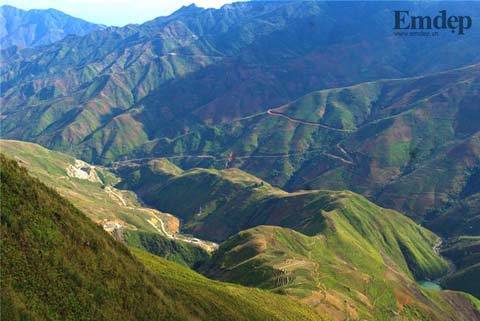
(344, 257)
(57, 264)
(166, 77)
(296, 160)
(32, 28)
(158, 89)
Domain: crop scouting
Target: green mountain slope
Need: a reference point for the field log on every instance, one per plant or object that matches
(121, 91)
(464, 252)
(88, 187)
(56, 265)
(384, 139)
(342, 241)
(221, 203)
(119, 212)
(347, 283)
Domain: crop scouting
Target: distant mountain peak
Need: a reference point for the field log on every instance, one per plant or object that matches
(37, 27)
(187, 9)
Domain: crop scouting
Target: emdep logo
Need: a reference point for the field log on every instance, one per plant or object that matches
(405, 21)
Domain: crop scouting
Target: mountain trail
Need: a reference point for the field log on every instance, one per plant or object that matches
(273, 112)
(160, 227)
(217, 158)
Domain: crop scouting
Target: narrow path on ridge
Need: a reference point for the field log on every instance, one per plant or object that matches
(273, 112)
(346, 159)
(224, 158)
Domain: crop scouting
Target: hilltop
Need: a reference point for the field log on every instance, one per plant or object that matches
(333, 275)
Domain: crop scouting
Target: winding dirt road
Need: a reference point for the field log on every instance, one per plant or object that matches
(273, 112)
(217, 158)
(209, 246)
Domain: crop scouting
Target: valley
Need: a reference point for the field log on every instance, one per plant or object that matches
(255, 161)
(137, 286)
(90, 188)
(328, 242)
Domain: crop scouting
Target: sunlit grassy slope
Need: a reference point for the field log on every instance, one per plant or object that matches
(101, 202)
(58, 265)
(333, 276)
(221, 203)
(337, 251)
(89, 196)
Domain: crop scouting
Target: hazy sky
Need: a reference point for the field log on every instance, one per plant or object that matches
(114, 12)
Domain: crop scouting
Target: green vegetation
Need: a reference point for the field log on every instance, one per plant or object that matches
(57, 265)
(177, 251)
(347, 257)
(84, 96)
(399, 138)
(335, 277)
(345, 247)
(312, 116)
(100, 103)
(367, 118)
(464, 252)
(99, 203)
(104, 204)
(229, 298)
(222, 203)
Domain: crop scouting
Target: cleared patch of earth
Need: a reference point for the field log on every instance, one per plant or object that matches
(83, 170)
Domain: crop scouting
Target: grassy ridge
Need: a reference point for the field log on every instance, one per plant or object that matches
(222, 203)
(230, 298)
(347, 283)
(57, 265)
(347, 257)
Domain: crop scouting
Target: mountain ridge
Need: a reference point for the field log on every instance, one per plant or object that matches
(343, 231)
(159, 70)
(39, 27)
